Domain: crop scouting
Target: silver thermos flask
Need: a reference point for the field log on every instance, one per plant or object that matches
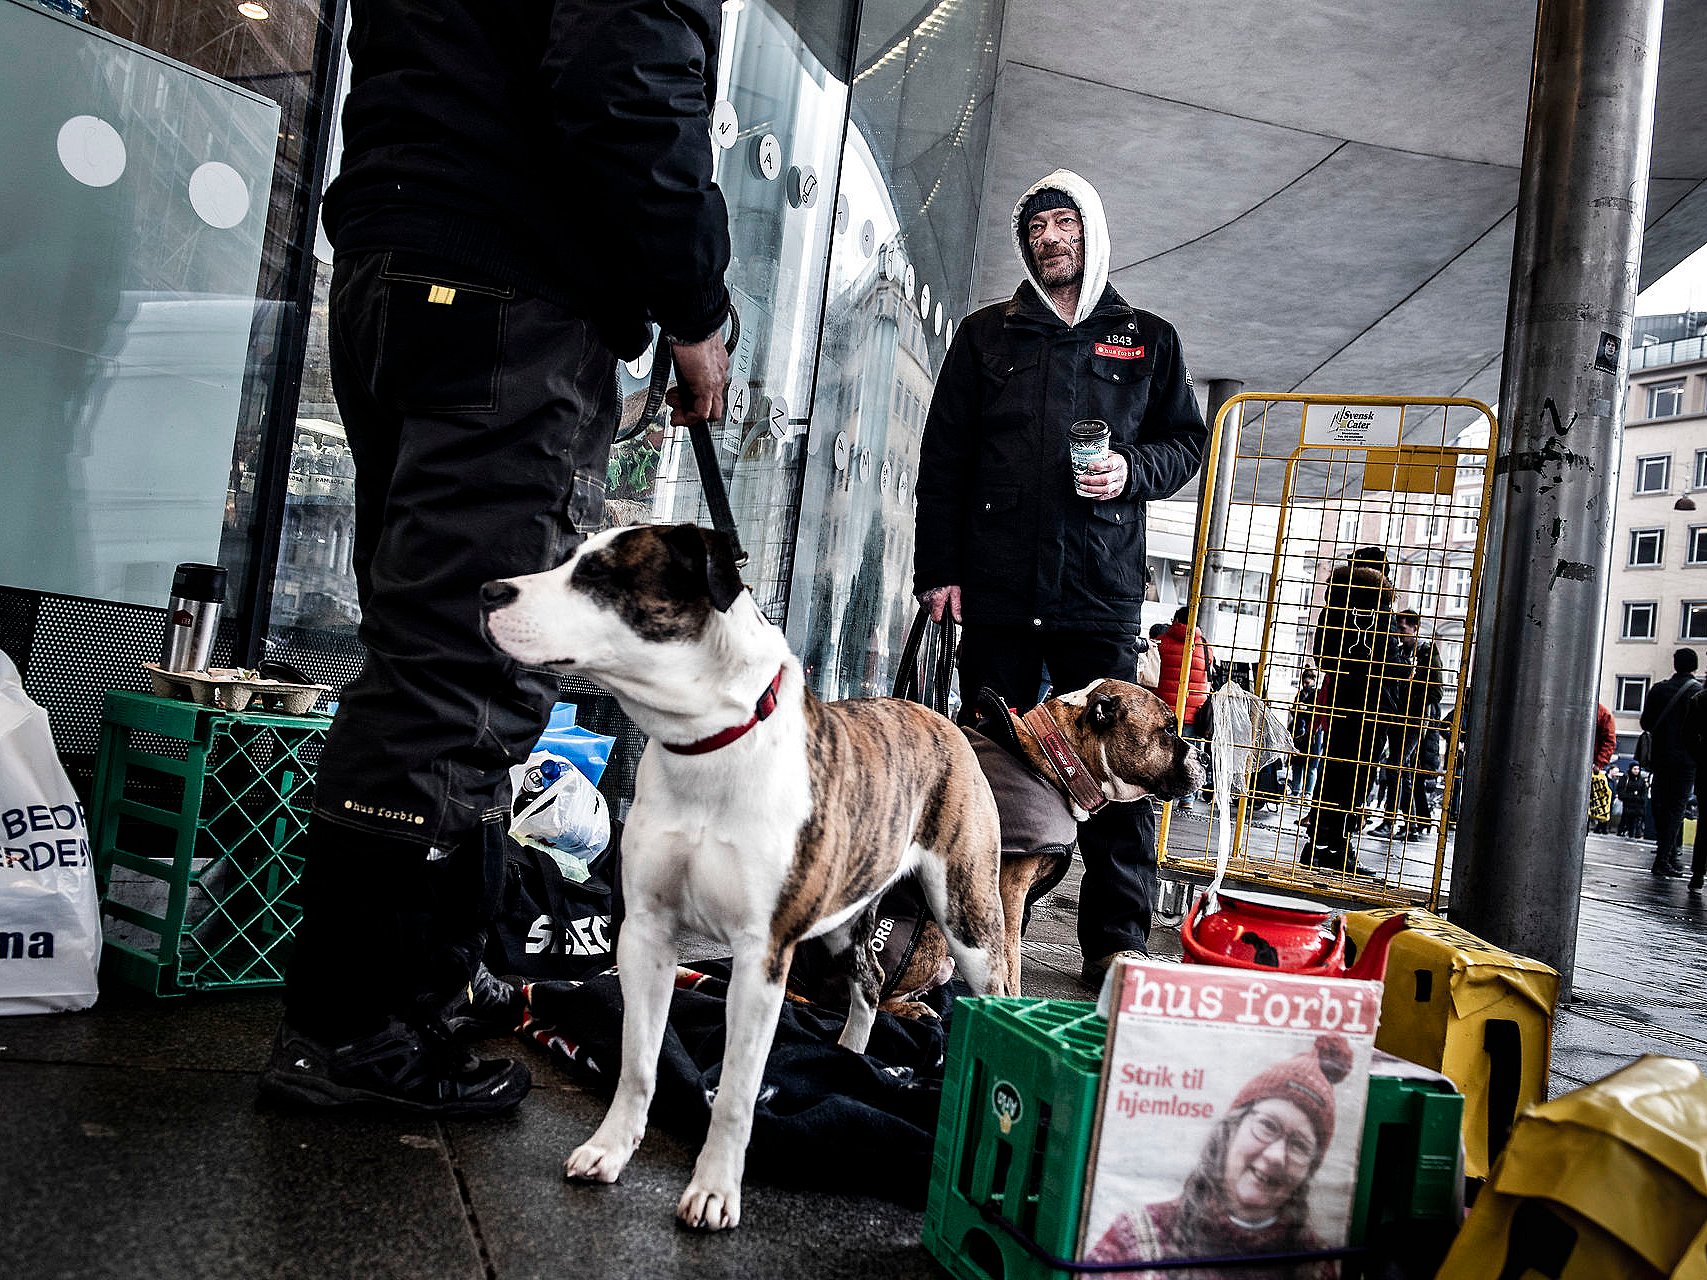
(192, 617)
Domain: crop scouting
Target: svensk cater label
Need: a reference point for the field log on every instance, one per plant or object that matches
(1120, 353)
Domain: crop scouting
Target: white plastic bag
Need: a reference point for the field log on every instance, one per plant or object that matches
(558, 810)
(50, 912)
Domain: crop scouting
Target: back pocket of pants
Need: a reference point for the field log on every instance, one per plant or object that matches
(442, 345)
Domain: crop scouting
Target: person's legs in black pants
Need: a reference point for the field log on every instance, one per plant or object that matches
(480, 431)
(1118, 842)
(1673, 781)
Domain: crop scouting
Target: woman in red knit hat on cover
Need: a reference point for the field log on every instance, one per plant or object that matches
(1250, 1191)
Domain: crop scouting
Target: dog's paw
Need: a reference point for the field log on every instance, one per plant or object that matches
(710, 1208)
(916, 1009)
(595, 1162)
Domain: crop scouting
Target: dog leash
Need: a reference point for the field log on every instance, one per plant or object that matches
(1065, 761)
(704, 448)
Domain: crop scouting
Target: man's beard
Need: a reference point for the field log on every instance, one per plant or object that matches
(1062, 270)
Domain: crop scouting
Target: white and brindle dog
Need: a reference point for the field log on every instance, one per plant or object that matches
(761, 817)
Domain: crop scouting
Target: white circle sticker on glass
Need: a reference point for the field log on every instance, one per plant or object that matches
(641, 366)
(925, 303)
(779, 418)
(907, 281)
(902, 482)
(738, 403)
(883, 474)
(841, 214)
(865, 463)
(725, 124)
(948, 331)
(803, 186)
(841, 451)
(219, 195)
(91, 151)
(767, 157)
(867, 238)
(939, 317)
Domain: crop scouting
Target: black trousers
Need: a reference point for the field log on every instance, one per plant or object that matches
(480, 419)
(1673, 781)
(1119, 843)
(1348, 767)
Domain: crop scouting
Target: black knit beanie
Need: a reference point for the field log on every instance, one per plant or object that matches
(1038, 201)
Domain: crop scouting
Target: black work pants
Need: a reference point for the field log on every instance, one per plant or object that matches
(1119, 842)
(1347, 767)
(480, 419)
(1673, 781)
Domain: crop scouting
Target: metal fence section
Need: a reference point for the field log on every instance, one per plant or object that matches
(1338, 582)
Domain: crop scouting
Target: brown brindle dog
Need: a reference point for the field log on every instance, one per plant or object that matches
(761, 816)
(1125, 740)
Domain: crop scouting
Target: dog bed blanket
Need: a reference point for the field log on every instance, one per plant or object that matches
(876, 1112)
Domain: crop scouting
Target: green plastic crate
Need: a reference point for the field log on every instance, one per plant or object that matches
(194, 816)
(1034, 1064)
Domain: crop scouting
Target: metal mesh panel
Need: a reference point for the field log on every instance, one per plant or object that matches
(70, 651)
(1403, 484)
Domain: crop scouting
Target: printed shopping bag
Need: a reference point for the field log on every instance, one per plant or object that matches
(50, 914)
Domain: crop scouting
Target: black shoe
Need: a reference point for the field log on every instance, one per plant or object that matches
(1666, 869)
(489, 1006)
(1695, 886)
(394, 1068)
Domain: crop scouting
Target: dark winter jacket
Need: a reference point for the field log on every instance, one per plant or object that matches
(556, 146)
(1353, 643)
(998, 515)
(1670, 731)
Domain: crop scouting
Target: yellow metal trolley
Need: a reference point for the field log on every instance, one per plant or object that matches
(1347, 549)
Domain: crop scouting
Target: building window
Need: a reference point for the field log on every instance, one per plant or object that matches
(1631, 691)
(1653, 475)
(1694, 620)
(1436, 527)
(1647, 548)
(1697, 544)
(1701, 469)
(1459, 590)
(1641, 620)
(1347, 532)
(1665, 399)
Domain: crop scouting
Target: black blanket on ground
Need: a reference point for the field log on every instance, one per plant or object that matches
(825, 1117)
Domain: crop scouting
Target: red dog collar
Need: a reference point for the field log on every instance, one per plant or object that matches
(1065, 761)
(723, 737)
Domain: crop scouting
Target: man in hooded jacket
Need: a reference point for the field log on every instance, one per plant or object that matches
(1045, 574)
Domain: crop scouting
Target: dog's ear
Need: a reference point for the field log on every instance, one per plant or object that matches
(1103, 711)
(707, 557)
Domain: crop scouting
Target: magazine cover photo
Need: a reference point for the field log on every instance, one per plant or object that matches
(1230, 1119)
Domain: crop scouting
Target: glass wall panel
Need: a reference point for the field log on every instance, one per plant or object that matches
(154, 154)
(900, 278)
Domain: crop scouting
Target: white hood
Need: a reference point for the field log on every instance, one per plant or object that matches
(1096, 238)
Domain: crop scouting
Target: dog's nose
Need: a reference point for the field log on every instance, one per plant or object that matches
(495, 595)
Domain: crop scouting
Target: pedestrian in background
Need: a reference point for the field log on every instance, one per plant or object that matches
(1188, 659)
(1670, 759)
(1307, 735)
(1633, 794)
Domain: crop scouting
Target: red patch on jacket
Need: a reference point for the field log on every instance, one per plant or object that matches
(1120, 353)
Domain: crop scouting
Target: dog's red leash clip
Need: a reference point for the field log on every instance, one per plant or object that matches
(1065, 761)
(723, 737)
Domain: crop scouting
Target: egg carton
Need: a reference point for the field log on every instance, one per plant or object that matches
(232, 690)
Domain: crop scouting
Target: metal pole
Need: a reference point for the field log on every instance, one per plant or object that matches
(1220, 501)
(1517, 872)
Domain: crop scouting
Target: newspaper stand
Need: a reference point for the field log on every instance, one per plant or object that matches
(1481, 1016)
(1015, 1132)
(195, 813)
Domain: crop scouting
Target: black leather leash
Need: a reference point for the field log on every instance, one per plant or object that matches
(704, 448)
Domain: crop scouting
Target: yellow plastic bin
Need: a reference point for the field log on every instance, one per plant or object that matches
(1609, 1180)
(1481, 1016)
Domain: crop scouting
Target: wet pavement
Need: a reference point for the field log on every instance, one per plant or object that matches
(134, 1145)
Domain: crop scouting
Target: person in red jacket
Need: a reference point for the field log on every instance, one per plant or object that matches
(1172, 645)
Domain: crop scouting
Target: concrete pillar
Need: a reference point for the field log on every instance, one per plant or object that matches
(1517, 872)
(1219, 500)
